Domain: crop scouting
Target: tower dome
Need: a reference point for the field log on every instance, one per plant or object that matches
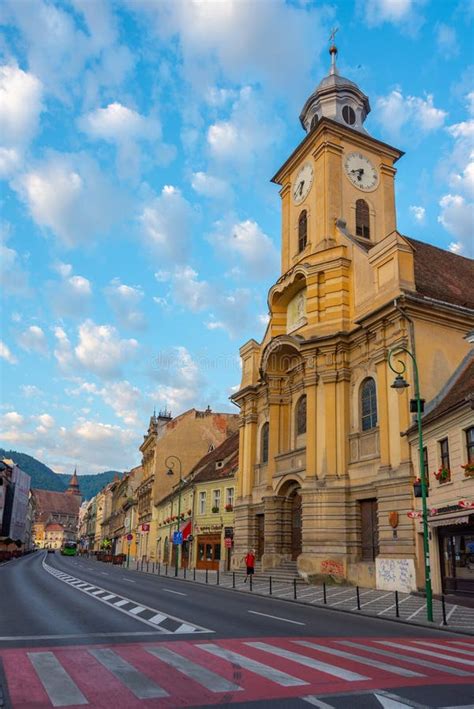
(336, 98)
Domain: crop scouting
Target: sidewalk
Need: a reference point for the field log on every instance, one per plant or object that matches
(363, 601)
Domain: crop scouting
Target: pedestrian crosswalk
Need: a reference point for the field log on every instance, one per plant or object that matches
(161, 622)
(201, 673)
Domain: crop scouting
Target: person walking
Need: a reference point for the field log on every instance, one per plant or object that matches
(250, 564)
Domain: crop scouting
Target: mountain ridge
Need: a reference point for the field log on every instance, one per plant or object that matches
(44, 478)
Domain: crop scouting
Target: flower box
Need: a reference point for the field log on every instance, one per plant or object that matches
(215, 510)
(468, 470)
(229, 508)
(443, 475)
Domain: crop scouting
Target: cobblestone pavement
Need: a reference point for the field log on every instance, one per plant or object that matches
(411, 608)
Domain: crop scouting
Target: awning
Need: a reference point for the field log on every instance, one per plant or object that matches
(185, 528)
(450, 519)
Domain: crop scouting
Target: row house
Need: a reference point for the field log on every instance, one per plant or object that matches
(202, 509)
(176, 445)
(448, 456)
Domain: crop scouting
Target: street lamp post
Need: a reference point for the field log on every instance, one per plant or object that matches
(170, 462)
(400, 383)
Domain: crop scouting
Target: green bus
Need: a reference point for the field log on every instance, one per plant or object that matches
(69, 549)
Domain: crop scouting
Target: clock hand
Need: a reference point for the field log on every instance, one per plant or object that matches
(301, 186)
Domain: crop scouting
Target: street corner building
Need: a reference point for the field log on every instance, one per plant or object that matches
(16, 510)
(173, 445)
(325, 478)
(56, 515)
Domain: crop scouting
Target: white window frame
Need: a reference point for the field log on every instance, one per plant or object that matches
(229, 496)
(216, 498)
(202, 502)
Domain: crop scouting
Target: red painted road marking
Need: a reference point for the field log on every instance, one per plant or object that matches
(103, 689)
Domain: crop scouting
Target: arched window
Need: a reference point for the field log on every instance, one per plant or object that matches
(300, 415)
(368, 405)
(348, 115)
(302, 231)
(362, 219)
(264, 443)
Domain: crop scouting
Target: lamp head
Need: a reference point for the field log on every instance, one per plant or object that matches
(399, 383)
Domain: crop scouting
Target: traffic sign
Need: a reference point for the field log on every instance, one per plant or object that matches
(145, 527)
(177, 537)
(228, 543)
(129, 537)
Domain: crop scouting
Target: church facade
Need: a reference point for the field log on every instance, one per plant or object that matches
(56, 515)
(325, 478)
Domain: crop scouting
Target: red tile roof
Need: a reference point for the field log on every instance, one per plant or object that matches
(54, 527)
(56, 502)
(442, 275)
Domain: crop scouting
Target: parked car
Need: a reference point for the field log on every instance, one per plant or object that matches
(51, 551)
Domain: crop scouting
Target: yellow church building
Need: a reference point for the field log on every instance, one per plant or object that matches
(325, 477)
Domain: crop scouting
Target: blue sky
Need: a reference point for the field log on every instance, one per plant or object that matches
(139, 230)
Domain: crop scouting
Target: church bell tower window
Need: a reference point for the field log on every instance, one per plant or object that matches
(349, 115)
(362, 219)
(302, 231)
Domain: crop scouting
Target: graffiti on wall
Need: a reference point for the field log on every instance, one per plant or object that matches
(395, 575)
(332, 568)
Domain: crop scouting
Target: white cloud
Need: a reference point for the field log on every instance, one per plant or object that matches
(166, 225)
(270, 35)
(125, 301)
(246, 241)
(70, 296)
(248, 135)
(80, 44)
(457, 217)
(446, 40)
(418, 214)
(12, 418)
(228, 311)
(100, 349)
(69, 195)
(182, 381)
(13, 277)
(6, 354)
(30, 390)
(395, 111)
(209, 186)
(45, 423)
(33, 339)
(17, 125)
(122, 397)
(402, 13)
(162, 276)
(126, 128)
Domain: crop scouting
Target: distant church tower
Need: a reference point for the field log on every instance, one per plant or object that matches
(73, 488)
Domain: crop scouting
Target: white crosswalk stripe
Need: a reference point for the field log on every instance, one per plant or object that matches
(362, 660)
(404, 658)
(209, 680)
(138, 683)
(59, 686)
(325, 667)
(423, 651)
(274, 675)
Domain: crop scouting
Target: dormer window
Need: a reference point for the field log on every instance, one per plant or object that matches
(349, 115)
(219, 464)
(302, 231)
(362, 219)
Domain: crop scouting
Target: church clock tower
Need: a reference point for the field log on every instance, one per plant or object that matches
(323, 469)
(338, 173)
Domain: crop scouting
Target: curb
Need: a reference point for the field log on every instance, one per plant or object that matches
(321, 606)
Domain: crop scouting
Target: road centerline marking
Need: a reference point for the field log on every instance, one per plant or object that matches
(276, 617)
(178, 593)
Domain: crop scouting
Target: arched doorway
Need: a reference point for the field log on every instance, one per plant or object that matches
(296, 524)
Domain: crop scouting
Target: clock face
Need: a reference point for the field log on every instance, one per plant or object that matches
(302, 183)
(361, 172)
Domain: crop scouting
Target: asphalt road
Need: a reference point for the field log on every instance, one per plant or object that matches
(57, 610)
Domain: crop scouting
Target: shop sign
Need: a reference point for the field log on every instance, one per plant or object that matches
(209, 528)
(466, 505)
(414, 514)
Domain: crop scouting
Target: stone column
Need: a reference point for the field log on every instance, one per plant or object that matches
(273, 553)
